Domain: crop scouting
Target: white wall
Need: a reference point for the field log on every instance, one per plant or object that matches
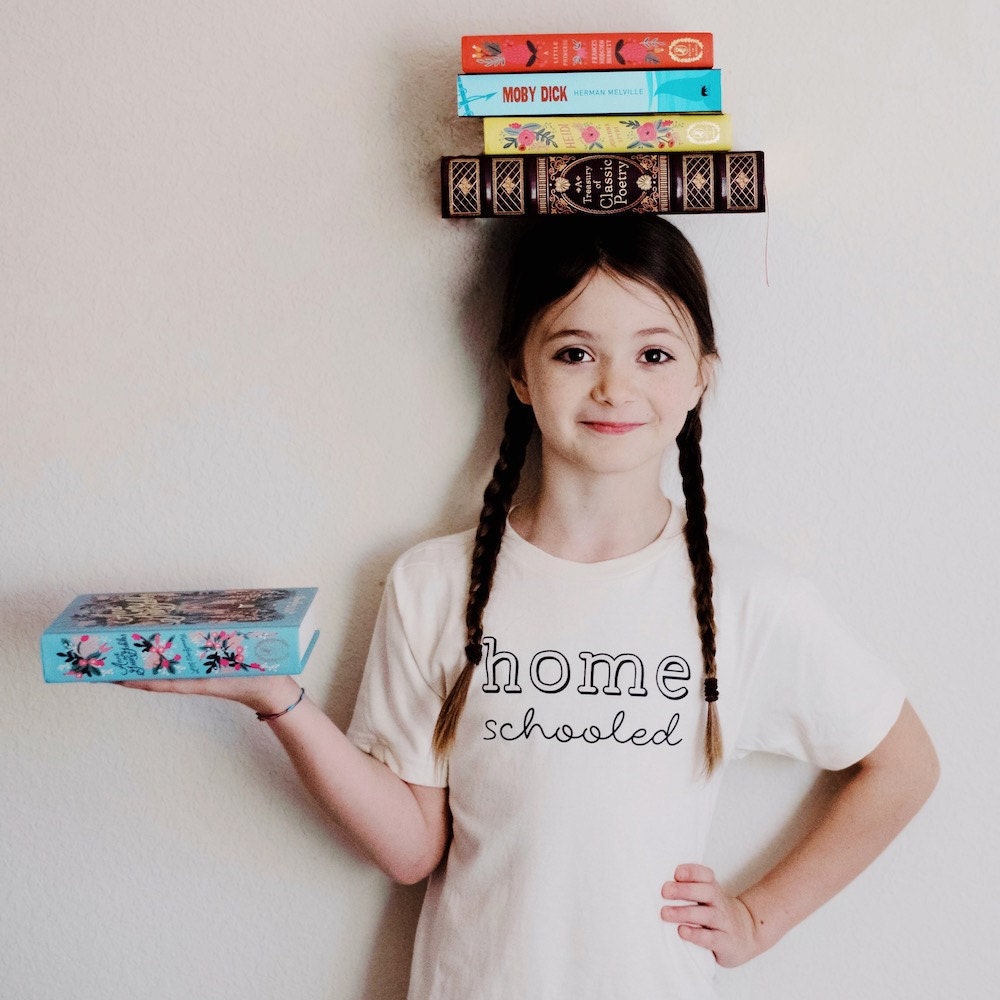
(239, 347)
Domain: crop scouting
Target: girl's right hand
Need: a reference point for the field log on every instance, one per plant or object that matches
(262, 694)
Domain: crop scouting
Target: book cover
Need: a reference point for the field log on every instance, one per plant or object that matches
(602, 93)
(610, 133)
(601, 184)
(540, 53)
(194, 633)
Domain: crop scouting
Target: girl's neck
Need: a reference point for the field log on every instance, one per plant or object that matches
(592, 525)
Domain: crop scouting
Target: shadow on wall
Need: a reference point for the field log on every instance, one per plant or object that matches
(389, 967)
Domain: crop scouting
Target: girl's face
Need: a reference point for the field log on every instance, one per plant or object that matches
(611, 372)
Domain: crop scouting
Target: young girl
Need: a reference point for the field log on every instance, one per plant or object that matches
(549, 699)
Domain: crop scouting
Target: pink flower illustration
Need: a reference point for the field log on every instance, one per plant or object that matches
(646, 132)
(525, 138)
(156, 652)
(590, 134)
(224, 651)
(82, 662)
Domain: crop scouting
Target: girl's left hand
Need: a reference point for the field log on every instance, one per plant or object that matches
(717, 921)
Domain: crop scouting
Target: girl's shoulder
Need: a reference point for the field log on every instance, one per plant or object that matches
(442, 552)
(438, 564)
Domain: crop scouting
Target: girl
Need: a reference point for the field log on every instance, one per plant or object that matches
(549, 699)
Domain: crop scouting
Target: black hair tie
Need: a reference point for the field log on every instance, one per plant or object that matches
(711, 689)
(474, 652)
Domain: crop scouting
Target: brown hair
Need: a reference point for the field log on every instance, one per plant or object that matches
(550, 260)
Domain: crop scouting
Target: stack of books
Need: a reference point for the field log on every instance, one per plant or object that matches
(597, 124)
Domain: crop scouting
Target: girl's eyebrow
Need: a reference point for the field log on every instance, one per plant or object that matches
(571, 333)
(568, 334)
(659, 331)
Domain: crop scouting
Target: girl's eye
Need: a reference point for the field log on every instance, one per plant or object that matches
(656, 356)
(573, 355)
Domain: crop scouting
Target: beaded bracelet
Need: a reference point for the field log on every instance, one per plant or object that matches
(268, 716)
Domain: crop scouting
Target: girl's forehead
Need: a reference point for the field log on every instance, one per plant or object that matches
(604, 295)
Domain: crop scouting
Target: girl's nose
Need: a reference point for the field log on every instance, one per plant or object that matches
(613, 385)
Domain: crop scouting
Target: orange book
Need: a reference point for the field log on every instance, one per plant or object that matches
(547, 53)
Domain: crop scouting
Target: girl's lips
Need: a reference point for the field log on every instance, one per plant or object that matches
(602, 427)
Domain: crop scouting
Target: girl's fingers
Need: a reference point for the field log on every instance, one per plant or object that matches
(700, 936)
(264, 694)
(695, 883)
(695, 916)
(713, 920)
(695, 892)
(694, 873)
(695, 886)
(232, 689)
(174, 687)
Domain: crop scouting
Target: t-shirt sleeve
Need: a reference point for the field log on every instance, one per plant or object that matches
(398, 702)
(816, 693)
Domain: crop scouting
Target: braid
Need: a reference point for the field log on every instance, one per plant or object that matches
(696, 536)
(497, 499)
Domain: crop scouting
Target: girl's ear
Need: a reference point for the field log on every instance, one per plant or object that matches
(706, 372)
(519, 386)
(705, 378)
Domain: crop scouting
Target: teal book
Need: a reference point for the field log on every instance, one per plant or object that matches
(181, 634)
(612, 92)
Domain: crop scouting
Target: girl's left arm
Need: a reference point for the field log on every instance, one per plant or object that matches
(878, 797)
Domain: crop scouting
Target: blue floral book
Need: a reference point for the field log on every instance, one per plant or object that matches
(192, 633)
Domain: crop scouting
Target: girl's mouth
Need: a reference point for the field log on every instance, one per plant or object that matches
(603, 427)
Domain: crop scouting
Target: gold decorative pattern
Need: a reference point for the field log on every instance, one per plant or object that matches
(703, 133)
(686, 50)
(508, 186)
(699, 182)
(464, 187)
(542, 184)
(664, 179)
(741, 169)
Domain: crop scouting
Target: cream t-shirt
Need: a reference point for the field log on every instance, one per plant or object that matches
(575, 783)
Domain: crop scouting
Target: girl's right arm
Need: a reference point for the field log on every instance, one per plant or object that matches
(403, 828)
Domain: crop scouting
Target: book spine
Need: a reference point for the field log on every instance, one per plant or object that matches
(164, 652)
(540, 53)
(601, 184)
(607, 133)
(605, 93)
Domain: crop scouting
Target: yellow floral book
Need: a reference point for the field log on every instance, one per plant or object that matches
(679, 133)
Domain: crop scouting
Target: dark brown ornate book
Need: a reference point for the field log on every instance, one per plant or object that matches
(601, 184)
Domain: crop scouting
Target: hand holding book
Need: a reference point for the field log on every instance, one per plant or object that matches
(265, 695)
